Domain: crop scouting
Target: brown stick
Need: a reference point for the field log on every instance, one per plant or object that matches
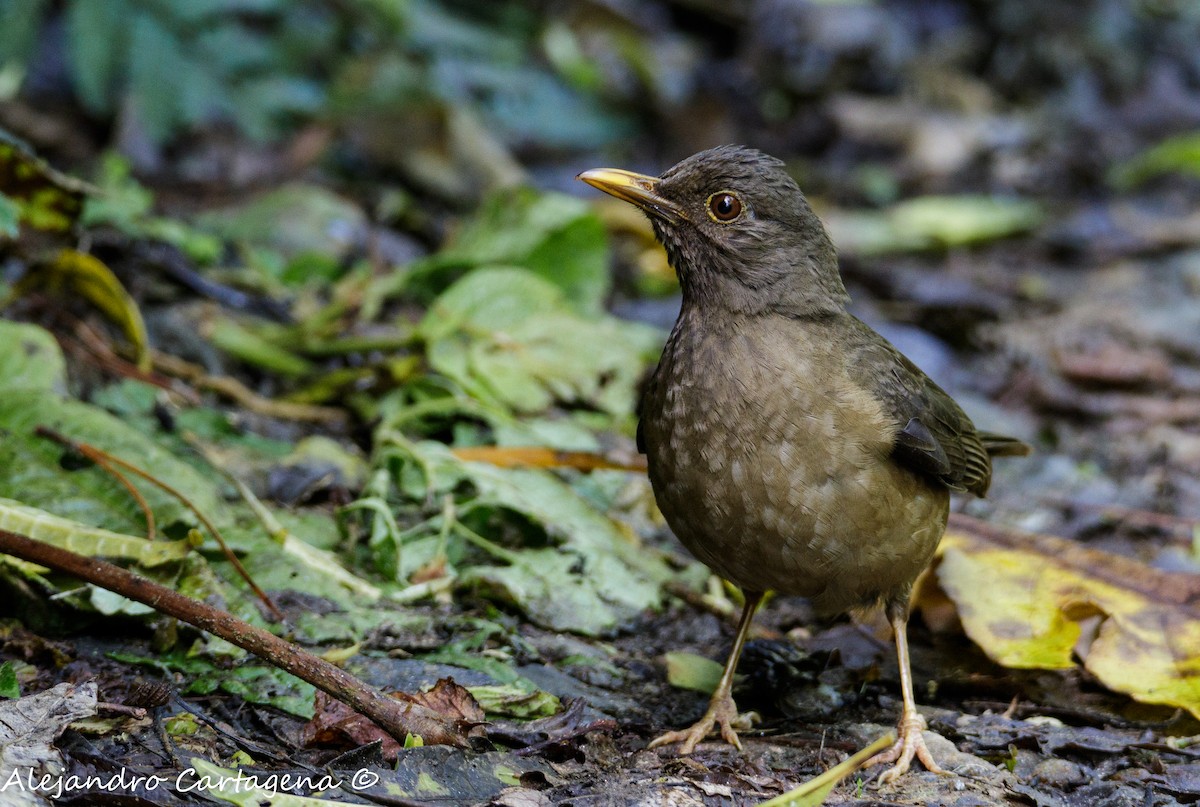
(398, 718)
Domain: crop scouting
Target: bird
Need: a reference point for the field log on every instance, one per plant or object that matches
(790, 447)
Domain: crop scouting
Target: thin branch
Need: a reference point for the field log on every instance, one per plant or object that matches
(398, 718)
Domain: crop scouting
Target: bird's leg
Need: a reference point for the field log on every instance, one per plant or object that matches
(722, 711)
(909, 742)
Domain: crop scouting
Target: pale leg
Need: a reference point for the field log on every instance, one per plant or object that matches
(910, 742)
(722, 711)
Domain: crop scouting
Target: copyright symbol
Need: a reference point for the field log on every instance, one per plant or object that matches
(363, 778)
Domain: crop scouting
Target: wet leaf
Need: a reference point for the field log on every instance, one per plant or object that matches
(1022, 598)
(508, 337)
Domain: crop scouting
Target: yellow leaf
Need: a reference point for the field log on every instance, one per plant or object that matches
(539, 457)
(814, 791)
(48, 200)
(1022, 597)
(78, 273)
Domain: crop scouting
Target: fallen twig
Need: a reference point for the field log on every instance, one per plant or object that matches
(398, 718)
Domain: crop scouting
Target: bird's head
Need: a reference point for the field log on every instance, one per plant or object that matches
(737, 230)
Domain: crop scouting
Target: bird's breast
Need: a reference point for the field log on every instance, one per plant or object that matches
(772, 465)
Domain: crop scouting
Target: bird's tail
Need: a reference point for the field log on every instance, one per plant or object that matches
(997, 445)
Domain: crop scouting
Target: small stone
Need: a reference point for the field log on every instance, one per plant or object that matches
(1058, 773)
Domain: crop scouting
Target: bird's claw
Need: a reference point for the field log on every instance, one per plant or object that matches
(909, 744)
(721, 712)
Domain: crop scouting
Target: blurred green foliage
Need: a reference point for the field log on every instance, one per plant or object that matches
(1175, 155)
(264, 65)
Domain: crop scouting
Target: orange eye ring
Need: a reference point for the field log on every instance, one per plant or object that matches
(724, 207)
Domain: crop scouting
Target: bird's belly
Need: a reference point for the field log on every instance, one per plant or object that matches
(799, 497)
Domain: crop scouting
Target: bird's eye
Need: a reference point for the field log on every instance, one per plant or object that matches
(724, 206)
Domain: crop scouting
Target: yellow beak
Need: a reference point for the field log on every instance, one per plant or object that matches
(637, 189)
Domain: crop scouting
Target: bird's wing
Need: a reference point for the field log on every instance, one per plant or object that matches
(934, 436)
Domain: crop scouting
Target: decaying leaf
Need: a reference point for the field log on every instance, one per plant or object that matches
(1022, 599)
(449, 699)
(335, 722)
(30, 725)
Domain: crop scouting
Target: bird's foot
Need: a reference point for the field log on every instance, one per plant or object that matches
(910, 744)
(721, 712)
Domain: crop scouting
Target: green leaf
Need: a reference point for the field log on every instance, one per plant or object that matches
(553, 235)
(294, 219)
(18, 35)
(74, 274)
(953, 221)
(690, 671)
(45, 199)
(30, 469)
(1179, 154)
(98, 37)
(9, 688)
(84, 540)
(508, 337)
(256, 683)
(595, 579)
(511, 700)
(10, 218)
(30, 358)
(253, 348)
(932, 222)
(123, 203)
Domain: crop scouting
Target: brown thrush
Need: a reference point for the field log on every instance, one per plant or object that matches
(790, 447)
